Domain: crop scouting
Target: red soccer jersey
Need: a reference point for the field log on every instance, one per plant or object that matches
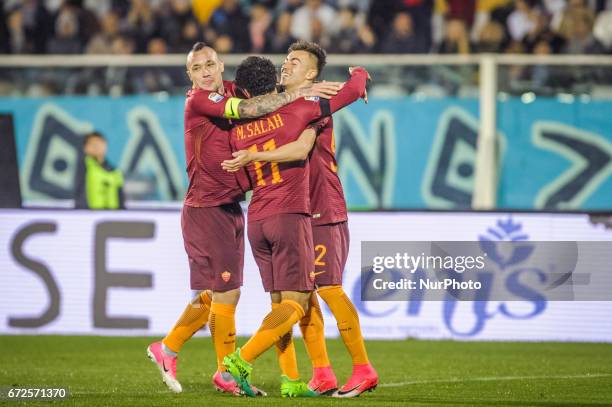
(326, 195)
(284, 187)
(206, 146)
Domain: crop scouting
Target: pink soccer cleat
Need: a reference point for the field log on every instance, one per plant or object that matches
(224, 382)
(364, 378)
(166, 365)
(323, 381)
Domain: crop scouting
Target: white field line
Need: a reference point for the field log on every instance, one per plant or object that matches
(494, 379)
(401, 384)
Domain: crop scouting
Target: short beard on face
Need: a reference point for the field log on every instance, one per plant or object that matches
(288, 82)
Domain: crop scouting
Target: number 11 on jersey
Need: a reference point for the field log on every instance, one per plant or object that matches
(276, 175)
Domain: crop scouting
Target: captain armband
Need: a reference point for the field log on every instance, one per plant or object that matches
(231, 108)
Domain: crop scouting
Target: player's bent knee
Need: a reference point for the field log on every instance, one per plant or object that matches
(227, 297)
(275, 297)
(196, 295)
(301, 298)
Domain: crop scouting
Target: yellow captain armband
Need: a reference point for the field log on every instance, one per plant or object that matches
(231, 108)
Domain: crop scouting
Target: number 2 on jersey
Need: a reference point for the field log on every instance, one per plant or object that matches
(276, 176)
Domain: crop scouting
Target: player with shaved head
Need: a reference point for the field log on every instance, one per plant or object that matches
(212, 221)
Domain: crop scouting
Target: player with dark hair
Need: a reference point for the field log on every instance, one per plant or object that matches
(330, 233)
(212, 221)
(314, 50)
(280, 230)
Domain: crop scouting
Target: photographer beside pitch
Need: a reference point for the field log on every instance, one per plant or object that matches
(301, 68)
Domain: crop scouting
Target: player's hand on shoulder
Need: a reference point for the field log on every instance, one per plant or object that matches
(241, 158)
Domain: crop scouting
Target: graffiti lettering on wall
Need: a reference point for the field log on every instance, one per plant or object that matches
(55, 147)
(590, 156)
(393, 153)
(149, 152)
(369, 158)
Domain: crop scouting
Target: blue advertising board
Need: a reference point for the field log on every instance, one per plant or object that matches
(397, 153)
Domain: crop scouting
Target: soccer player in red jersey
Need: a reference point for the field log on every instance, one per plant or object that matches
(212, 221)
(330, 234)
(280, 230)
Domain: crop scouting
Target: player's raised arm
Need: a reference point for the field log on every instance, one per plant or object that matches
(352, 90)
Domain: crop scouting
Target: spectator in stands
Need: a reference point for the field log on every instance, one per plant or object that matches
(5, 44)
(603, 31)
(123, 45)
(282, 38)
(314, 21)
(402, 39)
(524, 19)
(154, 78)
(260, 27)
(540, 74)
(513, 73)
(577, 29)
(229, 28)
(102, 42)
(358, 26)
(17, 41)
(30, 26)
(567, 14)
(288, 6)
(141, 23)
(66, 39)
(352, 38)
(379, 16)
(555, 9)
(157, 46)
(486, 11)
(361, 7)
(492, 38)
(190, 34)
(421, 12)
(223, 44)
(464, 10)
(120, 80)
(87, 20)
(456, 39)
(542, 30)
(174, 16)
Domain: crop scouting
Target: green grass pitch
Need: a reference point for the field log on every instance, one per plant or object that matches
(116, 372)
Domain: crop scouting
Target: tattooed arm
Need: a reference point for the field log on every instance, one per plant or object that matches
(262, 105)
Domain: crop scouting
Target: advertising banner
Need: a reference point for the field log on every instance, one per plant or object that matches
(126, 273)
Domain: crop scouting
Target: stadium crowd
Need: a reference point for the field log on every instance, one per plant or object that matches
(154, 27)
(341, 26)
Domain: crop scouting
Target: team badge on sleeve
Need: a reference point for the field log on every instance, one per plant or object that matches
(215, 97)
